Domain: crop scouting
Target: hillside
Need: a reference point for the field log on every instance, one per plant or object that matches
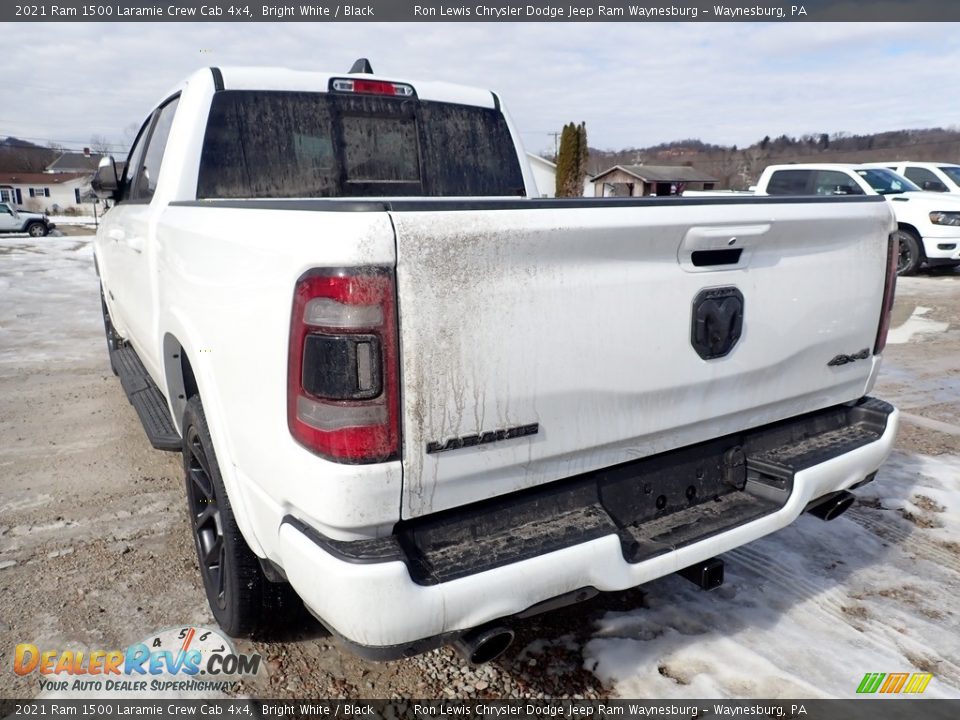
(739, 167)
(21, 156)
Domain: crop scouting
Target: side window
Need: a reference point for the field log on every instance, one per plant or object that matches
(789, 182)
(833, 182)
(133, 160)
(922, 175)
(145, 182)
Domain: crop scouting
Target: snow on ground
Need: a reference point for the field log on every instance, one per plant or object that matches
(916, 324)
(73, 220)
(49, 300)
(808, 611)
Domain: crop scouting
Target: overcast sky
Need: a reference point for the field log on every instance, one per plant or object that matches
(634, 84)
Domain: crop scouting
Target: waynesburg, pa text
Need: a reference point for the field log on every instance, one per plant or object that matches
(578, 12)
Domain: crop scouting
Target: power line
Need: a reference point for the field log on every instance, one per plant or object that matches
(62, 144)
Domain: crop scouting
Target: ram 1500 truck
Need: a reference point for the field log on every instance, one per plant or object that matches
(427, 402)
(928, 223)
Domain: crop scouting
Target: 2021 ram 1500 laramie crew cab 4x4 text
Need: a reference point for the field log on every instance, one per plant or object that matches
(428, 401)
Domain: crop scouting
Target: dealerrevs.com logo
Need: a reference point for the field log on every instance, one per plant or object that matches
(179, 659)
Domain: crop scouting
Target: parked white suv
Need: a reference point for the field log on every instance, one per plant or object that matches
(13, 220)
(934, 177)
(928, 223)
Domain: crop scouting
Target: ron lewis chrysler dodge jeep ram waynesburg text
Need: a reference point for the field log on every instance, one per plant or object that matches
(425, 401)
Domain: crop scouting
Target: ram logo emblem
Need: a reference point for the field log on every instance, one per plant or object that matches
(717, 321)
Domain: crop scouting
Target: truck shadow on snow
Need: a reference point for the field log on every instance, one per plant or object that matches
(802, 610)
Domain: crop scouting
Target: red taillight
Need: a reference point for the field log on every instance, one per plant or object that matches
(374, 87)
(342, 371)
(889, 289)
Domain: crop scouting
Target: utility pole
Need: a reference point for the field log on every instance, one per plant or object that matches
(556, 143)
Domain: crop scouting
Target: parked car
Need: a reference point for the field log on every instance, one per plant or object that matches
(928, 224)
(934, 177)
(426, 401)
(13, 220)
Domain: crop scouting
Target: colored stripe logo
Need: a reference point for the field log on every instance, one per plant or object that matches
(894, 683)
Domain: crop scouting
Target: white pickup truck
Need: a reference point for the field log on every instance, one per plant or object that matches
(928, 222)
(430, 402)
(933, 176)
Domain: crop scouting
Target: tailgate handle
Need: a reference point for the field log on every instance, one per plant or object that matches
(704, 258)
(707, 248)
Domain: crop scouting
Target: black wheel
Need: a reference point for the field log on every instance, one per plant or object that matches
(243, 601)
(114, 341)
(909, 259)
(36, 229)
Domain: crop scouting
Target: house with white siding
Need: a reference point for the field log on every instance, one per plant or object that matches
(544, 174)
(51, 192)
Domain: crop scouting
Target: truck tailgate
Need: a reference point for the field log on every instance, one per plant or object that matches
(540, 341)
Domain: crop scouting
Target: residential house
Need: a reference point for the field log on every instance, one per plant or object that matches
(544, 174)
(75, 162)
(47, 192)
(644, 180)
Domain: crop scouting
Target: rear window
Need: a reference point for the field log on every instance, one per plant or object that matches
(788, 182)
(261, 144)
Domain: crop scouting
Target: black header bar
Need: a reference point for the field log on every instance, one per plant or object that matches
(621, 11)
(892, 708)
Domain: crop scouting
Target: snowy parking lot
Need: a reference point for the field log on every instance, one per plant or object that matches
(95, 552)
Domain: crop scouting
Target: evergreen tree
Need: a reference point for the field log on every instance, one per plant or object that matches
(584, 157)
(572, 160)
(565, 160)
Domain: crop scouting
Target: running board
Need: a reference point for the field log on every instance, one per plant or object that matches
(146, 399)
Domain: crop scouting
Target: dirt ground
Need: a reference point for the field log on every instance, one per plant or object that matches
(94, 547)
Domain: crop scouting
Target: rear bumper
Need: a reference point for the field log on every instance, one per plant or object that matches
(420, 587)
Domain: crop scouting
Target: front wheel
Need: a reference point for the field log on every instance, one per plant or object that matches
(243, 601)
(36, 229)
(909, 259)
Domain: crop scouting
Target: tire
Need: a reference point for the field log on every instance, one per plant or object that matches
(910, 258)
(114, 341)
(243, 601)
(36, 229)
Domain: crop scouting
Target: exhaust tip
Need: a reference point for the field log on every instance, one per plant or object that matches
(483, 645)
(832, 506)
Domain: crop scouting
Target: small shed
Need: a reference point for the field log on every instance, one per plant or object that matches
(645, 180)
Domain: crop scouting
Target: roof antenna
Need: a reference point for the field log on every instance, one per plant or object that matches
(362, 66)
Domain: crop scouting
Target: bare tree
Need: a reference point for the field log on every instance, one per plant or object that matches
(99, 145)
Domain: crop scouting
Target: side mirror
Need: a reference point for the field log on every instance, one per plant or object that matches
(934, 186)
(105, 183)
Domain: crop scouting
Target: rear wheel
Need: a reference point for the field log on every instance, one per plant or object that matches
(243, 601)
(909, 259)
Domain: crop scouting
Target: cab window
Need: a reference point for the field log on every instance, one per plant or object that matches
(143, 164)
